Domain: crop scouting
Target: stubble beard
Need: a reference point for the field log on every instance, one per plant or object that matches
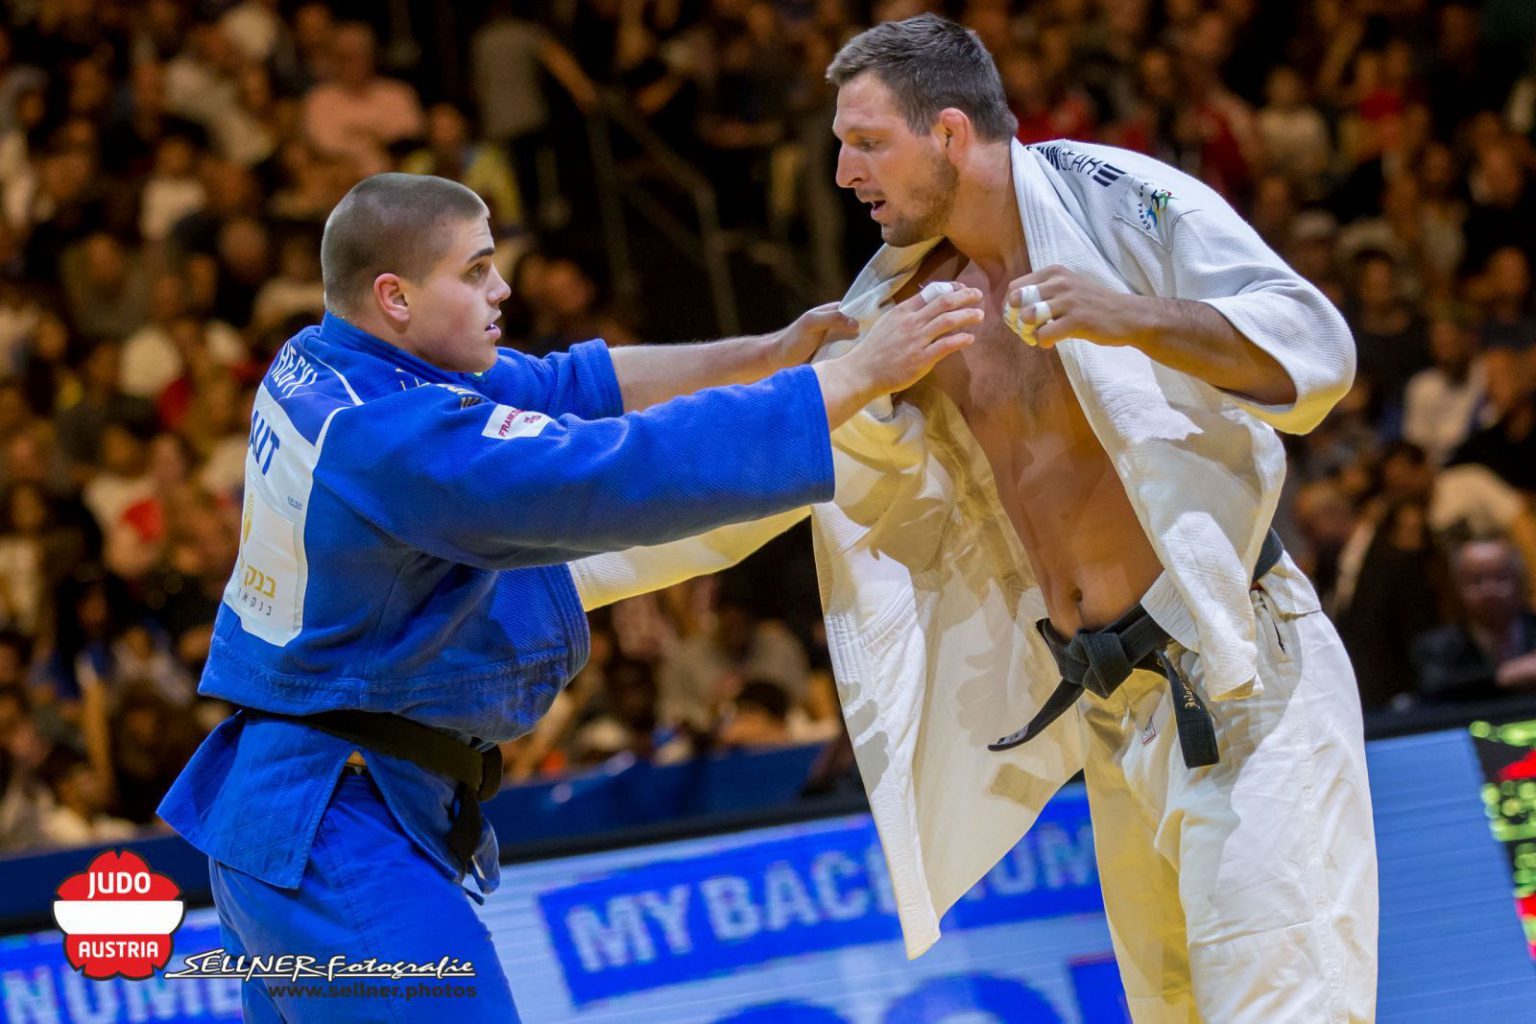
(935, 198)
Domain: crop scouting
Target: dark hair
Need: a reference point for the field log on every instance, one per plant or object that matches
(390, 224)
(18, 642)
(1404, 449)
(60, 763)
(930, 63)
(764, 696)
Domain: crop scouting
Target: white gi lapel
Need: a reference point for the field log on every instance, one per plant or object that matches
(930, 617)
(1200, 473)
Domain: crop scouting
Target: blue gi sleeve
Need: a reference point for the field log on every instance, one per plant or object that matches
(578, 382)
(499, 487)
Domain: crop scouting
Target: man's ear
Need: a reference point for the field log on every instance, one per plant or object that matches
(954, 132)
(390, 298)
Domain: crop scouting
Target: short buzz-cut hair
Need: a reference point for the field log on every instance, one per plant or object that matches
(390, 224)
(930, 63)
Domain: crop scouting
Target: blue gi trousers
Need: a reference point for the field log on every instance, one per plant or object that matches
(366, 892)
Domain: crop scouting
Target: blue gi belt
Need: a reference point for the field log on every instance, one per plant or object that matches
(1098, 661)
(477, 772)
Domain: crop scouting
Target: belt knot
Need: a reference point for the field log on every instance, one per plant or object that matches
(1104, 659)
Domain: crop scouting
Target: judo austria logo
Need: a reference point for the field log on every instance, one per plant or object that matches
(118, 917)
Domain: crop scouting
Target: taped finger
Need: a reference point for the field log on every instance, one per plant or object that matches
(1016, 324)
(933, 289)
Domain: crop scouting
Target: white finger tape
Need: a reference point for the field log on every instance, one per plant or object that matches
(933, 289)
(1017, 325)
(1029, 295)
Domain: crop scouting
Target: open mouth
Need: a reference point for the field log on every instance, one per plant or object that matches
(875, 207)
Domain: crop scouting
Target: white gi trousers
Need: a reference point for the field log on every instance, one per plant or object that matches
(1244, 892)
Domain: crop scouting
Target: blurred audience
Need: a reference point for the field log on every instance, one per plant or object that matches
(1491, 650)
(166, 167)
(354, 112)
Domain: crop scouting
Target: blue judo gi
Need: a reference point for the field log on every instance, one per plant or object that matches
(402, 550)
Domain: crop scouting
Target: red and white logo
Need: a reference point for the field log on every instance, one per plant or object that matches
(118, 917)
(507, 422)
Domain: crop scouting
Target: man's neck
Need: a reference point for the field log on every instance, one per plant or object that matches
(984, 225)
(373, 324)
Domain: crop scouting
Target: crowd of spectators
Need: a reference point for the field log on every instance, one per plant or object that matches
(166, 167)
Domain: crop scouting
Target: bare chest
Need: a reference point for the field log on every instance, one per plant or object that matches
(999, 383)
(1053, 478)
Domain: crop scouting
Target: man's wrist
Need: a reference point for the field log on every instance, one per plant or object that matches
(1152, 319)
(749, 358)
(769, 352)
(843, 390)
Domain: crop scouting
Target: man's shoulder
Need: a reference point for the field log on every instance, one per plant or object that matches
(386, 90)
(1102, 164)
(1115, 184)
(307, 388)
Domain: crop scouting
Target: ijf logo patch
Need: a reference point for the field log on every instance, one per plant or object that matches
(118, 917)
(1152, 207)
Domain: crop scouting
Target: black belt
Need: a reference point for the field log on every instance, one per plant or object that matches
(477, 772)
(1098, 661)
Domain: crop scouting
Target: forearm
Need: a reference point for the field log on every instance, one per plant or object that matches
(1517, 673)
(1194, 338)
(524, 489)
(651, 374)
(564, 68)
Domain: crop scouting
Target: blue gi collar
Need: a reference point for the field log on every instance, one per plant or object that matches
(343, 334)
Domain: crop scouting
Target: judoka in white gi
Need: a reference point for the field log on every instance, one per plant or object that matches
(1117, 449)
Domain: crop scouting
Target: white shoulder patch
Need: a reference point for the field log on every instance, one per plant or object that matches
(1120, 192)
(506, 423)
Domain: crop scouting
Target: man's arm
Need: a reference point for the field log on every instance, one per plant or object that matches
(1277, 347)
(566, 70)
(1518, 673)
(1186, 335)
(501, 487)
(651, 374)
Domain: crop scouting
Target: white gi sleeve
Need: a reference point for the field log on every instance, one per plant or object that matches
(1184, 241)
(613, 576)
(1218, 259)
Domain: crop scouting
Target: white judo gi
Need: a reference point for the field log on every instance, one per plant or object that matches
(1242, 892)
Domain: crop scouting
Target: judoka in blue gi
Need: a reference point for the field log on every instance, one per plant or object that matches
(401, 603)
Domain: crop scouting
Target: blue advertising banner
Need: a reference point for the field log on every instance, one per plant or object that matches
(678, 920)
(793, 924)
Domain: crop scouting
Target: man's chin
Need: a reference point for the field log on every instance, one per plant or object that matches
(899, 236)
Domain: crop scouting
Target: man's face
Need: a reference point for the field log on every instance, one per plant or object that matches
(905, 177)
(1450, 344)
(352, 56)
(1378, 289)
(1489, 583)
(455, 307)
